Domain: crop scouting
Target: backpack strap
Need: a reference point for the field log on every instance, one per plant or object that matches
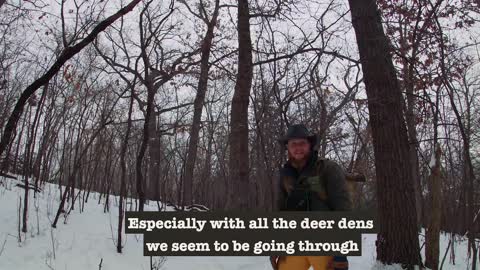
(299, 193)
(317, 183)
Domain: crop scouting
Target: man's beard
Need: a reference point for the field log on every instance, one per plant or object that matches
(298, 163)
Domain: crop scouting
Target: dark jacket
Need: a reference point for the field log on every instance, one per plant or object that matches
(319, 186)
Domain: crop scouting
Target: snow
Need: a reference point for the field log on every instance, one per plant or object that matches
(87, 238)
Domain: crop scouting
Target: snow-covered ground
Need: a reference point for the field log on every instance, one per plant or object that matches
(88, 238)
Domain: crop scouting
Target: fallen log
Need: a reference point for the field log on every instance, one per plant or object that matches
(29, 186)
(7, 175)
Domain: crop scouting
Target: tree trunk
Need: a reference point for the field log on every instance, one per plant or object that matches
(25, 170)
(155, 153)
(239, 159)
(73, 173)
(395, 187)
(154, 160)
(198, 106)
(17, 150)
(432, 235)
(412, 137)
(44, 145)
(144, 144)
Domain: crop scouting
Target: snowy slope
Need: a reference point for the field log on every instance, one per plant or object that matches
(89, 237)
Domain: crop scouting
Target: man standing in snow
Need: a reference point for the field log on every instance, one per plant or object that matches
(308, 183)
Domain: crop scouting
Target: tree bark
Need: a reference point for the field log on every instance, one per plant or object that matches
(47, 125)
(239, 158)
(154, 161)
(26, 173)
(395, 187)
(432, 235)
(144, 144)
(153, 80)
(412, 137)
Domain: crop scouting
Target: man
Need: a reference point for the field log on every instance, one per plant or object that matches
(309, 184)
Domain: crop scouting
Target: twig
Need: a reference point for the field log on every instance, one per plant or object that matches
(100, 265)
(36, 211)
(423, 244)
(157, 264)
(445, 255)
(19, 211)
(159, 206)
(111, 229)
(53, 242)
(46, 262)
(3, 246)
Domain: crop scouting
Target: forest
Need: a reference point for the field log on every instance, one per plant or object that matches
(184, 101)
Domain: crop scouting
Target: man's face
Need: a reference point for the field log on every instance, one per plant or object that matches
(298, 149)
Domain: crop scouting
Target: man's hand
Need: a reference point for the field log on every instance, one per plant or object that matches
(274, 261)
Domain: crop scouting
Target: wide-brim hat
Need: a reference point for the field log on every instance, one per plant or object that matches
(298, 131)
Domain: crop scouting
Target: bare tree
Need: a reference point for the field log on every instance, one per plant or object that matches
(154, 66)
(464, 126)
(66, 54)
(432, 234)
(238, 140)
(395, 188)
(123, 166)
(200, 97)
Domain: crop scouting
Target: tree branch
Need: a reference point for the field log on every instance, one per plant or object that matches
(66, 54)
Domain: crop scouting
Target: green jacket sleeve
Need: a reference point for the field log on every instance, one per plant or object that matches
(338, 196)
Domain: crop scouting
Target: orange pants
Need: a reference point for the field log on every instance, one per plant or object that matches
(304, 262)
